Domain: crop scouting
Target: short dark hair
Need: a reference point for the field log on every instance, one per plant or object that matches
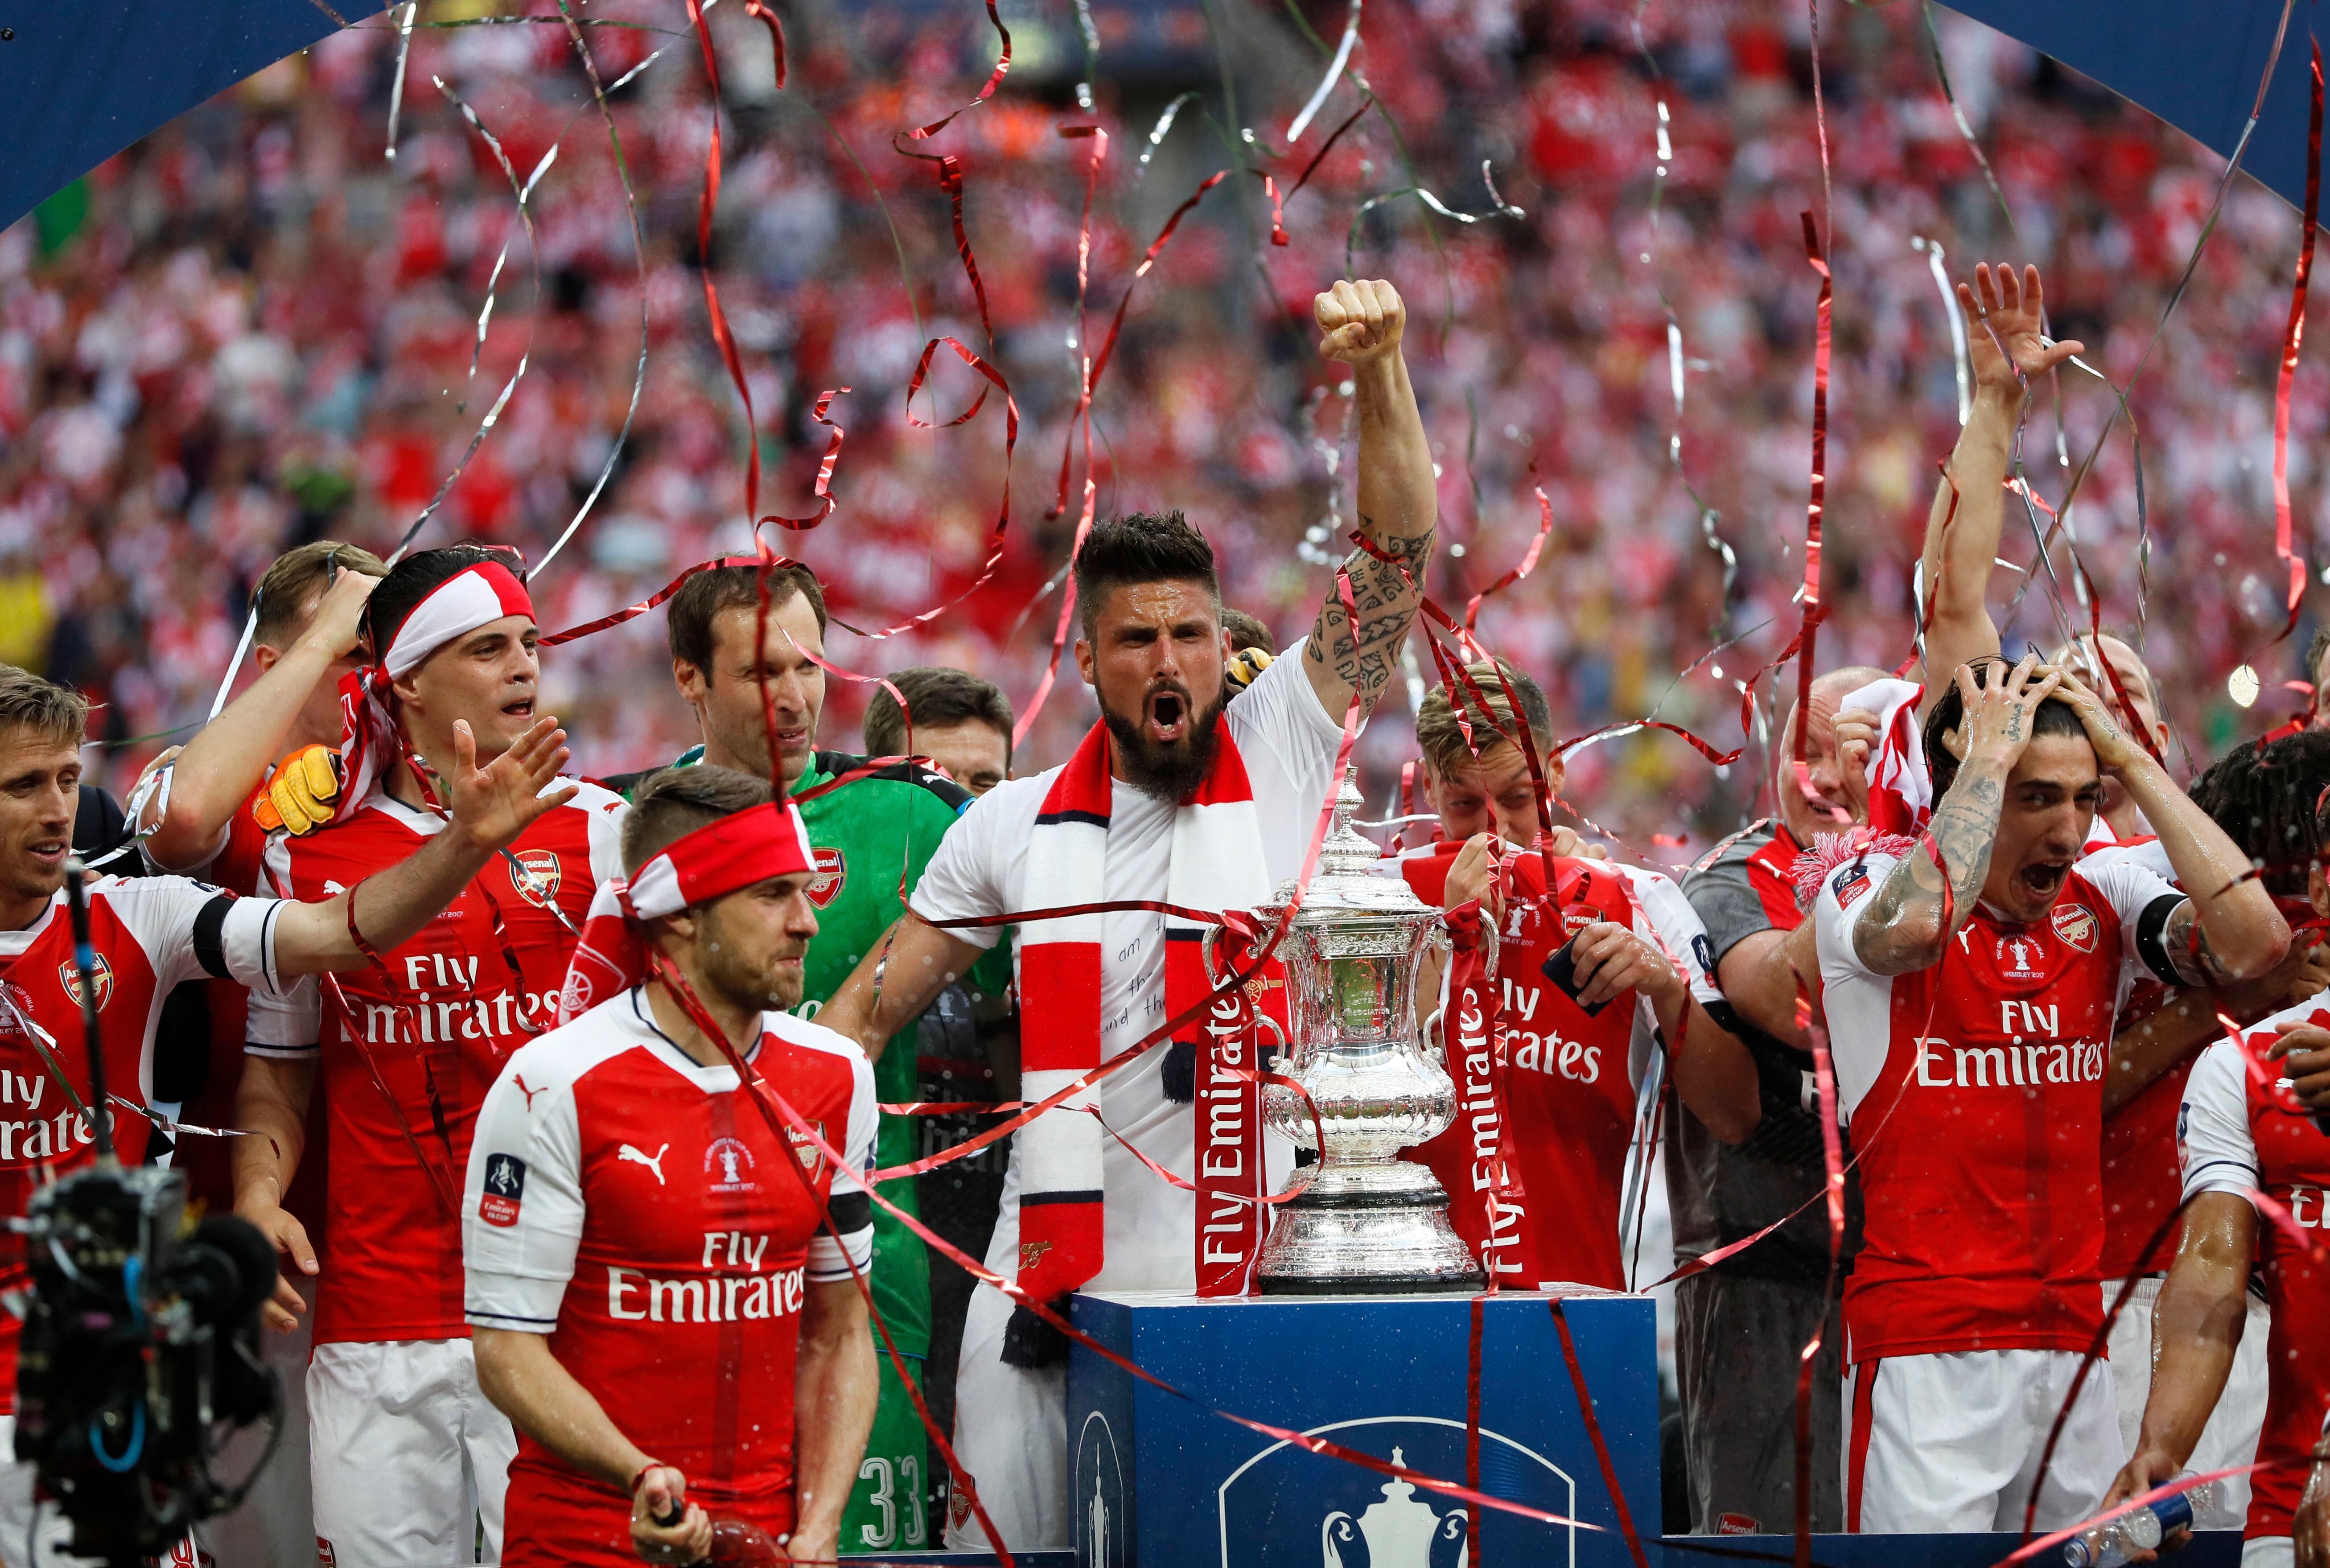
(2266, 796)
(298, 576)
(669, 805)
(2054, 717)
(414, 578)
(1143, 547)
(1442, 738)
(1246, 632)
(688, 628)
(934, 696)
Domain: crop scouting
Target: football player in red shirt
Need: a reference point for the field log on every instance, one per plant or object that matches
(150, 933)
(653, 1301)
(1564, 1071)
(406, 1050)
(1972, 984)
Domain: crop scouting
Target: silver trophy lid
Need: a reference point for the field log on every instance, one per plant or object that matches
(1349, 880)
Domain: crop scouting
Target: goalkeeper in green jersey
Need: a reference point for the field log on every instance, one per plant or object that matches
(872, 837)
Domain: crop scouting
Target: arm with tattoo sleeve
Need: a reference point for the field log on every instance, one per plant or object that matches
(1919, 906)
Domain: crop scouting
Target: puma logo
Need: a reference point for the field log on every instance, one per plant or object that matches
(517, 1080)
(655, 1165)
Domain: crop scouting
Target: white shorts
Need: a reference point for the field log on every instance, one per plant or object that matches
(407, 1455)
(53, 1535)
(2230, 1438)
(1949, 1444)
(1011, 1425)
(2268, 1551)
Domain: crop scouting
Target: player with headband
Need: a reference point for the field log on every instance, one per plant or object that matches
(1561, 1093)
(150, 933)
(406, 1049)
(655, 1301)
(1972, 981)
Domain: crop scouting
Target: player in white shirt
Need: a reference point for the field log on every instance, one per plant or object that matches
(1152, 648)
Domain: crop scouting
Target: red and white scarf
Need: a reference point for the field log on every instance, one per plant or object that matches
(371, 742)
(716, 860)
(1217, 865)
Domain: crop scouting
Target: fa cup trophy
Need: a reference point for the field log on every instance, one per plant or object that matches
(1370, 1222)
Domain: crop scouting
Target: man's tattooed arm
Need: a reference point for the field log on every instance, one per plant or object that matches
(1386, 596)
(2187, 945)
(1399, 511)
(1905, 929)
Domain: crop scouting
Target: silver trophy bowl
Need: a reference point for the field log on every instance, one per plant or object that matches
(1370, 1222)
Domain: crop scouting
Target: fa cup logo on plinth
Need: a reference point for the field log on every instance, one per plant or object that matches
(1400, 1531)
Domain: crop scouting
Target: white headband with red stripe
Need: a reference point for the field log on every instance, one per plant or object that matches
(473, 597)
(720, 857)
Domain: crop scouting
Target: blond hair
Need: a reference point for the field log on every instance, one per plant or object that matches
(53, 712)
(1442, 738)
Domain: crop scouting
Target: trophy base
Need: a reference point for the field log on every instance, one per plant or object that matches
(1355, 1236)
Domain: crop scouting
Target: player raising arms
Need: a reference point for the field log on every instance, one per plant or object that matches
(1971, 985)
(1576, 1062)
(150, 933)
(653, 1302)
(1183, 793)
(408, 1047)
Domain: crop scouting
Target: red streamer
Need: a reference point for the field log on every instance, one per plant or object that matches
(1808, 632)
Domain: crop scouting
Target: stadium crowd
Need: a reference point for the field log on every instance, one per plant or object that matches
(2057, 911)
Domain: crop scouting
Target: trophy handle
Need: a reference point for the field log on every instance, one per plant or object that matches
(1206, 945)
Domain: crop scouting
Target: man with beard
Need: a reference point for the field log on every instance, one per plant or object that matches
(1182, 795)
(657, 1304)
(746, 675)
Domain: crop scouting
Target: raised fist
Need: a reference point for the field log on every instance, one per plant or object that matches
(1361, 322)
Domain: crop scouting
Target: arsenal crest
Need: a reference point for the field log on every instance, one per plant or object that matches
(536, 874)
(833, 871)
(2076, 924)
(804, 1148)
(99, 972)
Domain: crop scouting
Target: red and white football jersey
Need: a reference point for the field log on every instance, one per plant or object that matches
(239, 866)
(406, 1056)
(2232, 1137)
(148, 934)
(1974, 1090)
(2140, 1137)
(1573, 1079)
(629, 1205)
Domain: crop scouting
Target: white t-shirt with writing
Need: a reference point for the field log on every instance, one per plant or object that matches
(1288, 742)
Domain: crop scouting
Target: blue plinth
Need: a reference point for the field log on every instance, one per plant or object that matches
(1160, 1482)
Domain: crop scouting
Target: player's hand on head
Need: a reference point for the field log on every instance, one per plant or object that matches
(1360, 322)
(665, 1528)
(1998, 718)
(338, 623)
(495, 803)
(2006, 346)
(2116, 747)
